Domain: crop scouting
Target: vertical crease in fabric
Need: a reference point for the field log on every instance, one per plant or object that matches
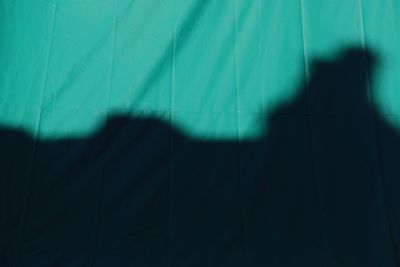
(104, 140)
(171, 114)
(375, 134)
(317, 186)
(36, 135)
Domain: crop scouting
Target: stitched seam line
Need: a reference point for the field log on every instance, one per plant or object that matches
(244, 229)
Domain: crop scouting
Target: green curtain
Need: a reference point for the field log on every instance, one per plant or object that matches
(199, 133)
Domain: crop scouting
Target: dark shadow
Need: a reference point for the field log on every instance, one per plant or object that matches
(318, 190)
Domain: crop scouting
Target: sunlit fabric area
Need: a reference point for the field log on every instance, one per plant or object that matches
(199, 133)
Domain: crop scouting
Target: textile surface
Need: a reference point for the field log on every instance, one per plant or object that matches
(199, 133)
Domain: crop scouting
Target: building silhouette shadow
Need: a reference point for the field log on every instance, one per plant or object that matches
(319, 189)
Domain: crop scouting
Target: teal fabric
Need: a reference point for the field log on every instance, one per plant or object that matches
(199, 133)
